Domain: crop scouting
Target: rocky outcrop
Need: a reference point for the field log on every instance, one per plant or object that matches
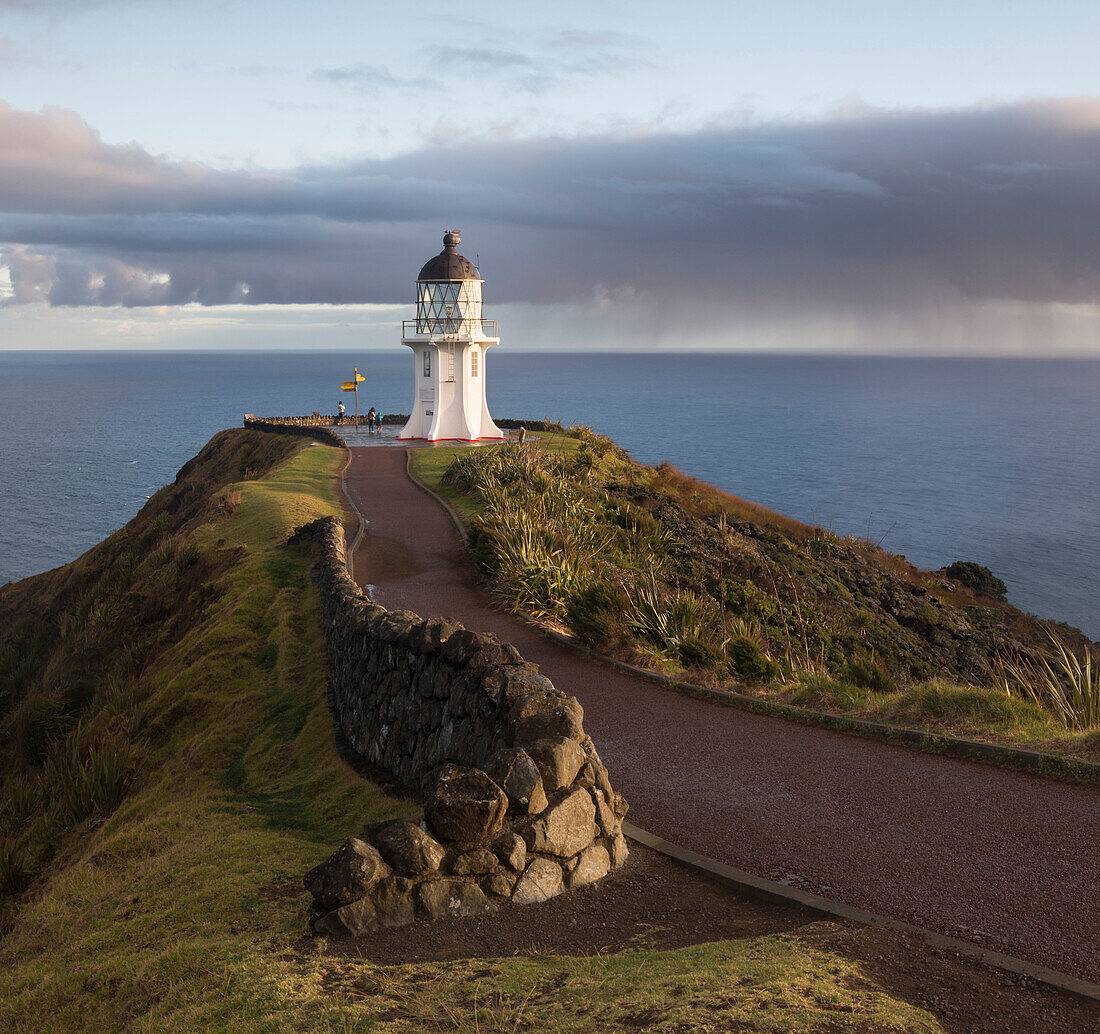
(519, 806)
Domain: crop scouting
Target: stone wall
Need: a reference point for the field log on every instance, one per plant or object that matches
(276, 423)
(519, 806)
(319, 431)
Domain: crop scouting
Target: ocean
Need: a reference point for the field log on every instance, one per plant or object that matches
(938, 459)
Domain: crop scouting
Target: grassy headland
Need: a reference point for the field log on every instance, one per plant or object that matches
(169, 774)
(660, 570)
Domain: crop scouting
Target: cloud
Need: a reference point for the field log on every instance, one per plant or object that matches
(556, 61)
(871, 216)
(372, 79)
(480, 59)
(30, 275)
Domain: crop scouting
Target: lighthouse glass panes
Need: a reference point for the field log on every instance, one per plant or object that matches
(448, 307)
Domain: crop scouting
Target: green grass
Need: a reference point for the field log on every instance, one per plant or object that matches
(774, 983)
(430, 464)
(173, 901)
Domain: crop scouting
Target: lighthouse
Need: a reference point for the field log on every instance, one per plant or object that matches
(449, 340)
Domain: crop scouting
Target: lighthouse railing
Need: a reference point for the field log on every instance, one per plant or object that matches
(433, 325)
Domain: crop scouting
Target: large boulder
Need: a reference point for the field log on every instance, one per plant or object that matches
(593, 864)
(541, 880)
(539, 699)
(566, 827)
(467, 806)
(347, 875)
(517, 774)
(393, 902)
(510, 681)
(390, 904)
(440, 898)
(406, 847)
(463, 645)
(558, 761)
(564, 720)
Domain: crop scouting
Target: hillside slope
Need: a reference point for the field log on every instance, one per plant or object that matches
(169, 773)
(663, 571)
(168, 764)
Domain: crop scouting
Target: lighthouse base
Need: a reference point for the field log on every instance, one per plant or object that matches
(449, 390)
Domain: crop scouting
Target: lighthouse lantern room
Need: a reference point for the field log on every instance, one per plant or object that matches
(449, 339)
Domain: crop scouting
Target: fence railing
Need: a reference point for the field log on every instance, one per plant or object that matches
(444, 326)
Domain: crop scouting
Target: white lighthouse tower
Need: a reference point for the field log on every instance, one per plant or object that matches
(449, 340)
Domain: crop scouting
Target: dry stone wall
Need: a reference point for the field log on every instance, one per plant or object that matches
(519, 806)
(317, 431)
(323, 420)
(279, 423)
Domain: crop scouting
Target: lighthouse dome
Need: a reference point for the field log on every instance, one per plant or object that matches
(449, 264)
(448, 292)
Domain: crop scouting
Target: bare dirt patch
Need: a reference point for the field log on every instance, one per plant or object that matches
(654, 902)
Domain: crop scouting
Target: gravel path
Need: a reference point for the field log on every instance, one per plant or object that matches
(998, 858)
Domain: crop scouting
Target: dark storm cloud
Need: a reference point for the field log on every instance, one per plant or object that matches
(887, 211)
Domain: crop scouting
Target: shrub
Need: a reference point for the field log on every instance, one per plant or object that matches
(869, 674)
(700, 654)
(38, 724)
(187, 555)
(596, 612)
(88, 778)
(15, 868)
(976, 578)
(1061, 682)
(22, 802)
(599, 444)
(820, 690)
(746, 599)
(749, 662)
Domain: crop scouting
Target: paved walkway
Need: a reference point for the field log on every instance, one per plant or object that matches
(1001, 859)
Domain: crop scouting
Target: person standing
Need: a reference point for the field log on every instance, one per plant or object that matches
(340, 412)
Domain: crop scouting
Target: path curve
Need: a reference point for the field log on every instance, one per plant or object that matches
(991, 856)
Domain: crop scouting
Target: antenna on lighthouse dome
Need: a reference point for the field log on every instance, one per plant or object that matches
(452, 238)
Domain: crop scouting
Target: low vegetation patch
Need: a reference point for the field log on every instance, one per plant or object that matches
(661, 570)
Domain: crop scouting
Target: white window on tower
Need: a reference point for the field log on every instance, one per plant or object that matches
(473, 363)
(427, 363)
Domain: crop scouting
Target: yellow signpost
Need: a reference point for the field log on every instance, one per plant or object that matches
(354, 386)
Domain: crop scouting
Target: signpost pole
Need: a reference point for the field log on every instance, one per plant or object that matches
(353, 385)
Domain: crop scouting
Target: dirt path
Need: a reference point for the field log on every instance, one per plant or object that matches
(995, 857)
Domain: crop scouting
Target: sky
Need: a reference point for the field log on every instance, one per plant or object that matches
(785, 175)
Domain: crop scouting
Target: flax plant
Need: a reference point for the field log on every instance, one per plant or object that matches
(1062, 683)
(543, 533)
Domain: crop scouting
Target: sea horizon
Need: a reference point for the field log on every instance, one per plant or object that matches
(938, 458)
